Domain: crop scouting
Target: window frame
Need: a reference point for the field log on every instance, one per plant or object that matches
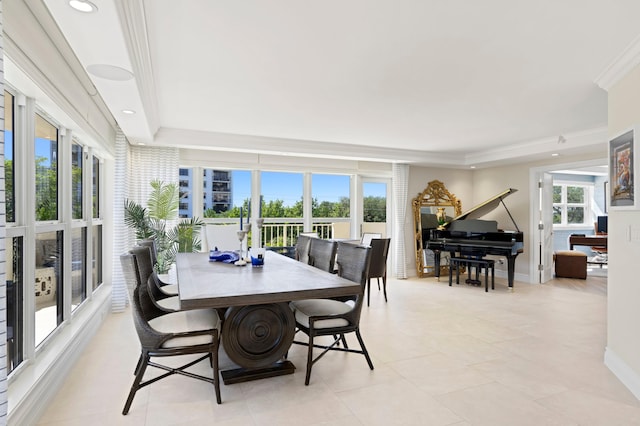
(564, 204)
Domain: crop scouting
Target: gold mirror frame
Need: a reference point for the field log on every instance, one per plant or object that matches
(434, 195)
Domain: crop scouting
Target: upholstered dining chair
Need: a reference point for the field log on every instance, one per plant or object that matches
(166, 288)
(143, 263)
(164, 334)
(378, 268)
(329, 317)
(322, 254)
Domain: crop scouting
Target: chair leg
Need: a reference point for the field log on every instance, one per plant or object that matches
(378, 278)
(216, 375)
(364, 348)
(144, 360)
(309, 361)
(384, 286)
(368, 291)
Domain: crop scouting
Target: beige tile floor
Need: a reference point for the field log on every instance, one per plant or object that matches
(443, 356)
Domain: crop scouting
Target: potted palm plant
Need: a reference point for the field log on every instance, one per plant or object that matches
(154, 221)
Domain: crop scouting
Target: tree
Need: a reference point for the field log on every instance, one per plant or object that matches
(151, 222)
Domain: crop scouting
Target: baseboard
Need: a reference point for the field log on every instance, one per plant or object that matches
(624, 373)
(37, 383)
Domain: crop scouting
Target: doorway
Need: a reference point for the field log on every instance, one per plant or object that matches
(547, 211)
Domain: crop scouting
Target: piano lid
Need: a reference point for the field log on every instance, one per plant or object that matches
(486, 207)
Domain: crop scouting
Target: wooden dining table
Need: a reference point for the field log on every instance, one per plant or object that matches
(258, 326)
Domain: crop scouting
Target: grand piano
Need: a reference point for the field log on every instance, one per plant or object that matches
(467, 235)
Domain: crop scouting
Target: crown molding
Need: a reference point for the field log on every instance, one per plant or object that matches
(621, 66)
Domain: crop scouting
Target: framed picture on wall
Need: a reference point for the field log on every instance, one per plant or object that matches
(624, 189)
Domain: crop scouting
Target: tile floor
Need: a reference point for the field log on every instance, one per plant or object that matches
(442, 356)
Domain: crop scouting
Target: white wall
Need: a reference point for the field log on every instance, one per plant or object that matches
(623, 345)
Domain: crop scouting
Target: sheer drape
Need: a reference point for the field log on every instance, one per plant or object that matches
(400, 191)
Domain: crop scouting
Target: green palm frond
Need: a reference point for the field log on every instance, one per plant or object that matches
(137, 217)
(163, 201)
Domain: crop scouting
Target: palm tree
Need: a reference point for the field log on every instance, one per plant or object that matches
(152, 222)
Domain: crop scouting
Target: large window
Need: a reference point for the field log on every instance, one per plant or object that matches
(9, 177)
(282, 194)
(571, 204)
(46, 164)
(330, 195)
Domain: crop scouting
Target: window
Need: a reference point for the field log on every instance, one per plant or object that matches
(96, 261)
(15, 302)
(374, 202)
(9, 177)
(96, 188)
(76, 181)
(48, 283)
(78, 266)
(571, 204)
(282, 194)
(46, 163)
(330, 195)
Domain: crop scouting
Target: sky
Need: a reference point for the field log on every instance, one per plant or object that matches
(288, 187)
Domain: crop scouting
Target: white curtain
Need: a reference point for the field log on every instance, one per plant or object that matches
(121, 236)
(400, 191)
(136, 167)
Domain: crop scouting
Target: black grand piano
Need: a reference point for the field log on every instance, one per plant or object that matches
(466, 235)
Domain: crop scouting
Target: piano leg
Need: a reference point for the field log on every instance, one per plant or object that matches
(511, 266)
(436, 263)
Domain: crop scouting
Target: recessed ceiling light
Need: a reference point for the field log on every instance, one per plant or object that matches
(472, 167)
(83, 6)
(555, 154)
(128, 111)
(110, 72)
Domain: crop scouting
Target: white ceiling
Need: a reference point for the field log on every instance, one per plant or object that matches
(456, 82)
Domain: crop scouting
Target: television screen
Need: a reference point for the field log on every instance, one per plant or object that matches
(602, 224)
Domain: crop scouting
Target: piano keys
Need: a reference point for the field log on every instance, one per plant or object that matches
(466, 235)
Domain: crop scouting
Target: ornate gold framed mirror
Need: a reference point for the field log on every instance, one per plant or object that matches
(431, 208)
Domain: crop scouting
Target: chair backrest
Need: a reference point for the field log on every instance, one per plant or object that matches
(143, 263)
(354, 262)
(129, 272)
(322, 254)
(302, 248)
(151, 243)
(367, 237)
(379, 253)
(224, 237)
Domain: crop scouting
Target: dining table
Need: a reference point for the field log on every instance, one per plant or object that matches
(258, 324)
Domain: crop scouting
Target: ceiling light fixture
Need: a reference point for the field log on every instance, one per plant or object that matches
(83, 6)
(110, 72)
(555, 154)
(128, 111)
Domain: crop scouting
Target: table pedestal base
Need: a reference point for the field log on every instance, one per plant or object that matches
(239, 375)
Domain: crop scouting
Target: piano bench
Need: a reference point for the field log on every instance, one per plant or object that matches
(570, 264)
(478, 264)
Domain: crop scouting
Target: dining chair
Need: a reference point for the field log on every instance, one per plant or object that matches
(145, 274)
(378, 268)
(164, 334)
(322, 254)
(166, 288)
(329, 317)
(302, 248)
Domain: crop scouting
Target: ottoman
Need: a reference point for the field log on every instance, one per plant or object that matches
(570, 264)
